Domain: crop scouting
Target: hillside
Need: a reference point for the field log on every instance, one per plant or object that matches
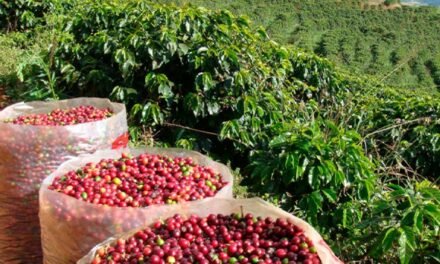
(399, 46)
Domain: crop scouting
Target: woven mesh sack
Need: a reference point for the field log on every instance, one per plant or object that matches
(71, 227)
(30, 153)
(256, 206)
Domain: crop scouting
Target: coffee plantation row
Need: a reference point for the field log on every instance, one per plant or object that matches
(355, 158)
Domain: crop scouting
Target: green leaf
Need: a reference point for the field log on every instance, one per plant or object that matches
(150, 79)
(230, 129)
(316, 201)
(194, 103)
(390, 236)
(134, 41)
(406, 245)
(279, 141)
(146, 112)
(410, 237)
(344, 218)
(123, 93)
(330, 166)
(313, 178)
(165, 90)
(433, 212)
(127, 68)
(380, 206)
(135, 109)
(126, 61)
(244, 136)
(339, 177)
(408, 218)
(330, 194)
(256, 124)
(396, 187)
(291, 162)
(202, 49)
(204, 81)
(313, 203)
(418, 221)
(152, 111)
(430, 192)
(183, 49)
(398, 191)
(156, 114)
(366, 188)
(213, 107)
(232, 56)
(250, 104)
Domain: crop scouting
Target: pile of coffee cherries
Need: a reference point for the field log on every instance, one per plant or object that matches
(213, 239)
(63, 117)
(140, 181)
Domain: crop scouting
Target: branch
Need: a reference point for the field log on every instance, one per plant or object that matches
(200, 131)
(192, 129)
(409, 122)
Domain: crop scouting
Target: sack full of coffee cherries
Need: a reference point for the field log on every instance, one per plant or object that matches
(110, 192)
(217, 231)
(35, 138)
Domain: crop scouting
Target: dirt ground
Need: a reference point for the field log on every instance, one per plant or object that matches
(4, 100)
(372, 3)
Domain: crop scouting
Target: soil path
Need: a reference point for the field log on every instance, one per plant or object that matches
(4, 99)
(381, 3)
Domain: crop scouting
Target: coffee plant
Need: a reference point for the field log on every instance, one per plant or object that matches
(405, 218)
(402, 130)
(21, 14)
(318, 164)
